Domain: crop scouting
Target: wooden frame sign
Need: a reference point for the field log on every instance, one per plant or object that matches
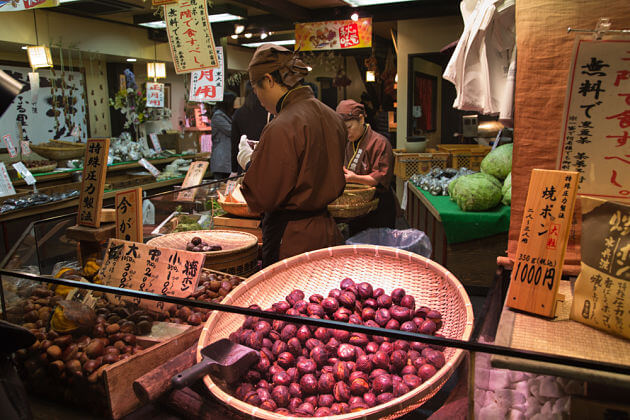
(195, 174)
(93, 182)
(542, 241)
(133, 265)
(129, 215)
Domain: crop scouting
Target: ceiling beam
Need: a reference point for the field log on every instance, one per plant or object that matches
(279, 8)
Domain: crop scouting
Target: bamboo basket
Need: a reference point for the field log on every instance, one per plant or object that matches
(355, 194)
(238, 209)
(465, 155)
(239, 255)
(319, 271)
(350, 211)
(59, 150)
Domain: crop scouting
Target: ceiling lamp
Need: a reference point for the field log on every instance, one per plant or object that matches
(239, 28)
(263, 35)
(279, 42)
(355, 16)
(248, 35)
(39, 57)
(370, 76)
(223, 17)
(234, 36)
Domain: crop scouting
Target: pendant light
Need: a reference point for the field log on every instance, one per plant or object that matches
(156, 70)
(39, 55)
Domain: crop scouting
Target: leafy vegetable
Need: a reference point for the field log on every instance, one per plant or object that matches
(498, 162)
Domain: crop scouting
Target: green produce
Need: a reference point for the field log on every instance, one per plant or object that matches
(498, 162)
(476, 192)
(506, 190)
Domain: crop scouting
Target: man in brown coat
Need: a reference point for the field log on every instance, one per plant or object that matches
(297, 168)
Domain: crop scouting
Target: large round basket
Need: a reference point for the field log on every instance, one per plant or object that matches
(318, 272)
(59, 150)
(350, 211)
(238, 209)
(239, 255)
(354, 194)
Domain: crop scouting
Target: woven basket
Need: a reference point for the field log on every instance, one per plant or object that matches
(45, 168)
(239, 255)
(59, 150)
(355, 194)
(351, 211)
(319, 271)
(238, 209)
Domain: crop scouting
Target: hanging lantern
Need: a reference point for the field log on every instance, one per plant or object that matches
(156, 70)
(39, 57)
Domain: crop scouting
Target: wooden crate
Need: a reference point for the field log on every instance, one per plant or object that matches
(465, 155)
(408, 164)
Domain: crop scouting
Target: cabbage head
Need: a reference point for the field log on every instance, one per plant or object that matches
(506, 190)
(476, 192)
(498, 162)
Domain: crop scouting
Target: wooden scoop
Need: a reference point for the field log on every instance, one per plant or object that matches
(224, 359)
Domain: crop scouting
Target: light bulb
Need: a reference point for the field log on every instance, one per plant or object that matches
(248, 35)
(263, 35)
(355, 16)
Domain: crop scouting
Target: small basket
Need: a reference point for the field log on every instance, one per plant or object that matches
(465, 155)
(319, 271)
(350, 211)
(409, 164)
(355, 194)
(238, 209)
(59, 150)
(41, 169)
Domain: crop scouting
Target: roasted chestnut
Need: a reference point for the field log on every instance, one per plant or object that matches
(308, 383)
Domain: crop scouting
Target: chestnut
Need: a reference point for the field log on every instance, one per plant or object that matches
(254, 340)
(263, 327)
(346, 352)
(330, 305)
(436, 358)
(355, 319)
(342, 315)
(110, 358)
(358, 339)
(326, 383)
(308, 383)
(384, 301)
(332, 345)
(398, 359)
(368, 313)
(301, 306)
(358, 405)
(303, 333)
(422, 311)
(370, 399)
(243, 389)
(347, 299)
(382, 383)
(281, 378)
(413, 381)
(315, 309)
(293, 373)
(326, 400)
(91, 365)
(334, 293)
(408, 301)
(294, 346)
(400, 313)
(322, 334)
(316, 298)
(339, 408)
(252, 398)
(381, 360)
(279, 347)
(434, 316)
(252, 376)
(387, 348)
(294, 296)
(359, 386)
(418, 346)
(382, 317)
(345, 283)
(363, 364)
(392, 324)
(263, 384)
(293, 312)
(341, 335)
(267, 343)
(306, 366)
(419, 362)
(371, 347)
(408, 370)
(401, 345)
(427, 327)
(281, 307)
(409, 326)
(94, 349)
(384, 398)
(244, 336)
(311, 343)
(397, 295)
(269, 405)
(364, 290)
(294, 403)
(283, 411)
(286, 359)
(319, 355)
(288, 331)
(295, 390)
(341, 371)
(371, 303)
(305, 409)
(341, 392)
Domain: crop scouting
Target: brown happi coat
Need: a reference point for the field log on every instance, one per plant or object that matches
(297, 167)
(376, 158)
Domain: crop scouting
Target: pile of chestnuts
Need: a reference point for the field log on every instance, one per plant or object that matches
(196, 244)
(312, 371)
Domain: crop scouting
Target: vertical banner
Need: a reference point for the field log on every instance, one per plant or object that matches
(190, 36)
(155, 95)
(93, 182)
(129, 215)
(207, 85)
(596, 127)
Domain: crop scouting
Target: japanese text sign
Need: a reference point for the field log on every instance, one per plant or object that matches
(206, 143)
(155, 95)
(26, 148)
(193, 177)
(129, 215)
(333, 35)
(10, 6)
(166, 271)
(600, 291)
(93, 182)
(190, 36)
(10, 146)
(149, 167)
(596, 130)
(155, 142)
(6, 187)
(24, 172)
(542, 241)
(207, 85)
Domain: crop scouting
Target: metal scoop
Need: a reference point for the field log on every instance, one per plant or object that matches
(224, 359)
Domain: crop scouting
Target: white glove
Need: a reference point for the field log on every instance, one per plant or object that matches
(244, 152)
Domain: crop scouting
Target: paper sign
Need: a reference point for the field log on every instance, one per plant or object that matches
(9, 144)
(542, 242)
(155, 95)
(93, 182)
(149, 167)
(333, 35)
(201, 120)
(24, 172)
(230, 186)
(206, 143)
(26, 149)
(596, 129)
(131, 265)
(193, 177)
(6, 187)
(76, 131)
(207, 85)
(14, 6)
(129, 215)
(156, 142)
(190, 36)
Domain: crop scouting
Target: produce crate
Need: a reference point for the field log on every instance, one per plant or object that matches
(465, 155)
(409, 164)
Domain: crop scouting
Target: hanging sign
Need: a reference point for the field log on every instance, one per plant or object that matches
(133, 265)
(195, 174)
(26, 149)
(93, 182)
(6, 187)
(206, 143)
(14, 6)
(596, 136)
(129, 215)
(333, 35)
(207, 85)
(156, 142)
(542, 242)
(149, 167)
(9, 143)
(190, 36)
(155, 95)
(162, 2)
(24, 173)
(33, 78)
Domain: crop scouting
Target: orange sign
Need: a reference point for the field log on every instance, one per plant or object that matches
(333, 35)
(93, 182)
(129, 215)
(193, 177)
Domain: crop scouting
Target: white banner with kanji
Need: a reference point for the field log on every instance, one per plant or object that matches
(595, 138)
(207, 85)
(155, 95)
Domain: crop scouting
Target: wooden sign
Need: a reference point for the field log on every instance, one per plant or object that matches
(93, 183)
(132, 265)
(542, 242)
(195, 174)
(129, 215)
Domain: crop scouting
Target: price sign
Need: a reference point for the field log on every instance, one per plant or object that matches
(6, 187)
(542, 242)
(166, 271)
(93, 184)
(193, 177)
(24, 172)
(206, 143)
(26, 148)
(156, 142)
(149, 167)
(10, 146)
(155, 95)
(129, 215)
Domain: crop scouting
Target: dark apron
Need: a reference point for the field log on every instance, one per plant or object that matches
(383, 217)
(273, 226)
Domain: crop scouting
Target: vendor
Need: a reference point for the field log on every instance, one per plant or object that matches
(296, 169)
(369, 160)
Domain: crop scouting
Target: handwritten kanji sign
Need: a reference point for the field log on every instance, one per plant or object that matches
(129, 215)
(596, 137)
(166, 271)
(333, 35)
(190, 36)
(207, 84)
(155, 95)
(8, 142)
(193, 177)
(542, 241)
(93, 182)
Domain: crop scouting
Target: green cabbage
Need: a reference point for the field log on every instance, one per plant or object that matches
(476, 192)
(498, 162)
(506, 190)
